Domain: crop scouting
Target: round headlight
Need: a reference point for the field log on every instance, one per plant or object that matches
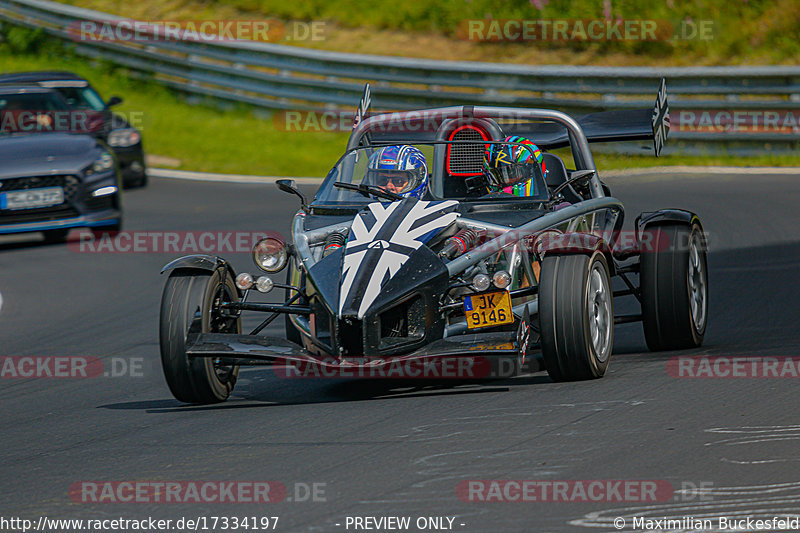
(481, 282)
(501, 279)
(270, 254)
(264, 284)
(244, 281)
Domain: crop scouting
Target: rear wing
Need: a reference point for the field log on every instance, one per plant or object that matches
(609, 126)
(606, 126)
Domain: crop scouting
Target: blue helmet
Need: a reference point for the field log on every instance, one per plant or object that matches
(400, 169)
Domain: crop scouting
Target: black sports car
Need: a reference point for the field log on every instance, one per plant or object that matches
(124, 139)
(377, 280)
(55, 174)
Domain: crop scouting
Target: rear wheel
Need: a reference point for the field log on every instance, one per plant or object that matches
(674, 285)
(191, 304)
(576, 316)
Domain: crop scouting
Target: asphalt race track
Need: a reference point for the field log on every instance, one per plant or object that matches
(376, 449)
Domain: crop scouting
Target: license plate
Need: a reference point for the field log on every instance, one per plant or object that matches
(489, 309)
(32, 198)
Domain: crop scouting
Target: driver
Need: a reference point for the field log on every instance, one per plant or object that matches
(500, 159)
(400, 169)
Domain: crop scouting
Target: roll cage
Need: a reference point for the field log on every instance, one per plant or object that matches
(497, 122)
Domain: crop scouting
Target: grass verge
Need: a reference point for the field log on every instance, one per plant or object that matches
(709, 32)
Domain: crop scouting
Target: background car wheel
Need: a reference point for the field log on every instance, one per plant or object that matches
(190, 303)
(674, 285)
(576, 316)
(136, 183)
(54, 236)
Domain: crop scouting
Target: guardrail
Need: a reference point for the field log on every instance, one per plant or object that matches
(705, 101)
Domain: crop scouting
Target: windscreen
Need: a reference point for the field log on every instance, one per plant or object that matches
(38, 112)
(31, 102)
(510, 172)
(82, 98)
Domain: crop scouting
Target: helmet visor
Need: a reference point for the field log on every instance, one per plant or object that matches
(510, 174)
(396, 181)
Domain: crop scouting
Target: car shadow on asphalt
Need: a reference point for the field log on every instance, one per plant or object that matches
(314, 391)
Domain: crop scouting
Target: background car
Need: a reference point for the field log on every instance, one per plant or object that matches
(56, 173)
(124, 139)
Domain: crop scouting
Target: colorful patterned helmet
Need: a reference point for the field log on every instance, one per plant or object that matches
(505, 165)
(399, 169)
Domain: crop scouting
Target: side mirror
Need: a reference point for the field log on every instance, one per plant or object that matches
(577, 178)
(114, 100)
(291, 187)
(580, 176)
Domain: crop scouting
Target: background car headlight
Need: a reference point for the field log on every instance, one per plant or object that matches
(270, 254)
(123, 138)
(101, 164)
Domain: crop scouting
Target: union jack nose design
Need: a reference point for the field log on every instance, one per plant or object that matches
(382, 238)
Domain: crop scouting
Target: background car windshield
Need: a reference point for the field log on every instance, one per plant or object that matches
(31, 102)
(28, 112)
(442, 184)
(82, 98)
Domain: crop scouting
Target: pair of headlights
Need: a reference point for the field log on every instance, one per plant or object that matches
(270, 255)
(501, 279)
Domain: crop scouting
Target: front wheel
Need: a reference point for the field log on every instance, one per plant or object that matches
(674, 284)
(576, 316)
(191, 304)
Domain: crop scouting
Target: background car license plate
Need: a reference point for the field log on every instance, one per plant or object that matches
(489, 309)
(32, 198)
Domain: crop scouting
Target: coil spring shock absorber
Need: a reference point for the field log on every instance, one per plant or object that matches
(333, 242)
(459, 243)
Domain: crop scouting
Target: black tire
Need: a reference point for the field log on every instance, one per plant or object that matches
(136, 183)
(187, 302)
(674, 285)
(55, 236)
(567, 283)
